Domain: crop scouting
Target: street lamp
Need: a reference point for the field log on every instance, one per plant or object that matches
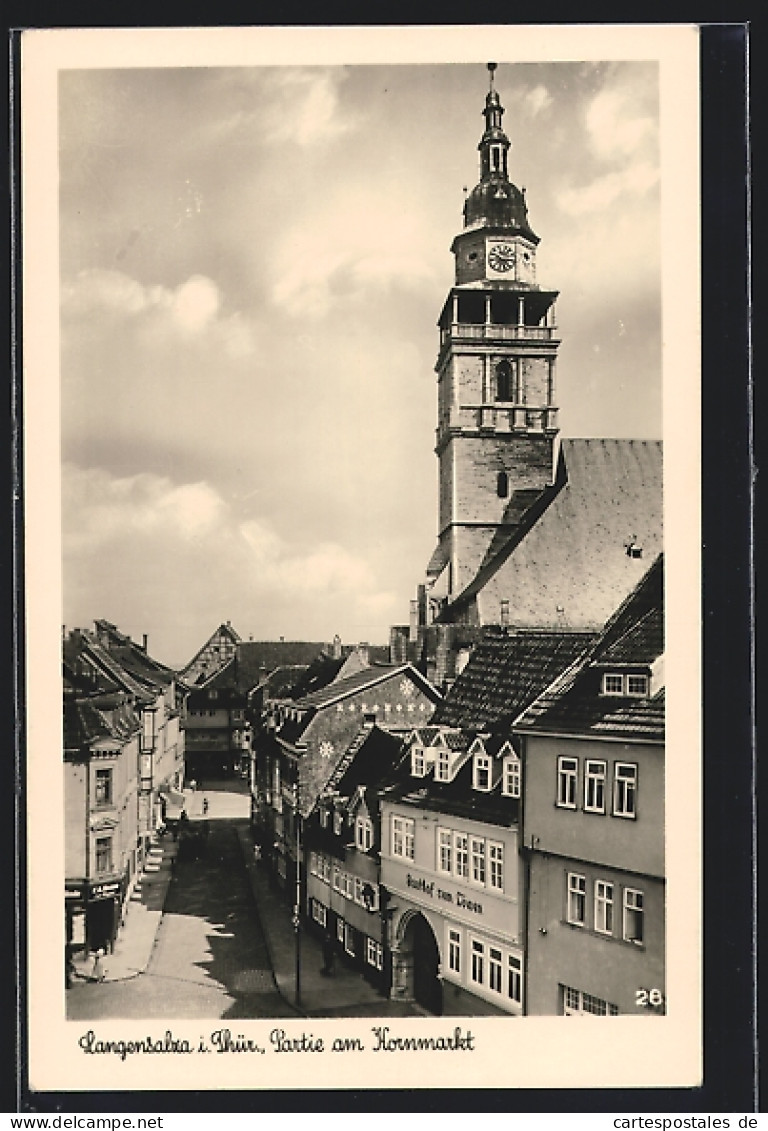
(297, 908)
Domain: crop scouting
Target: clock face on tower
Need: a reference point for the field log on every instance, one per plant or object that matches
(501, 257)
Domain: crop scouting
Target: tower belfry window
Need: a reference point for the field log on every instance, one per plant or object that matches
(504, 381)
(502, 484)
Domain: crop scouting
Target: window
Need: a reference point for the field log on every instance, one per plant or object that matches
(511, 779)
(603, 907)
(478, 860)
(503, 382)
(577, 899)
(103, 790)
(624, 789)
(340, 930)
(502, 484)
(323, 818)
(350, 943)
(496, 865)
(103, 853)
(418, 762)
(613, 684)
(313, 863)
(319, 913)
(338, 822)
(336, 879)
(363, 833)
(577, 1002)
(454, 951)
(633, 915)
(444, 854)
(567, 770)
(515, 978)
(326, 870)
(147, 731)
(374, 954)
(494, 969)
(461, 855)
(482, 772)
(636, 684)
(402, 837)
(443, 766)
(594, 787)
(478, 962)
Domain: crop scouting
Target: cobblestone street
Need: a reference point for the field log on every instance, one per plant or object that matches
(210, 959)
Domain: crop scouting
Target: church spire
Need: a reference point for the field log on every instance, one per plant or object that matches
(494, 144)
(495, 202)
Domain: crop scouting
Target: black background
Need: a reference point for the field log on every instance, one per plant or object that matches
(730, 1074)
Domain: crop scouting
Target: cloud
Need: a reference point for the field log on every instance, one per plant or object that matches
(537, 100)
(614, 127)
(136, 542)
(635, 180)
(342, 255)
(303, 106)
(185, 313)
(99, 509)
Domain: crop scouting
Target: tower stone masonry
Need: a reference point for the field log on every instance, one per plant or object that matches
(497, 419)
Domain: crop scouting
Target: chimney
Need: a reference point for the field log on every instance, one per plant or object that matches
(413, 627)
(144, 640)
(362, 651)
(336, 647)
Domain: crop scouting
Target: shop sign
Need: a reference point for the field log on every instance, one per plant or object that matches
(106, 890)
(431, 889)
(74, 890)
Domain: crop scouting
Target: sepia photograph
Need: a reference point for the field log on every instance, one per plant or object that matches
(368, 420)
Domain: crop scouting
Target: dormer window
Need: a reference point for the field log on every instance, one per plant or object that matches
(363, 833)
(323, 818)
(634, 684)
(443, 766)
(613, 684)
(511, 777)
(418, 762)
(338, 822)
(481, 772)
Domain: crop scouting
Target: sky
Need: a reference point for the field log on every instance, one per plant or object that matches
(252, 262)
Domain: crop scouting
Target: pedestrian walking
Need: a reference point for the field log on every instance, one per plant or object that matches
(256, 853)
(329, 955)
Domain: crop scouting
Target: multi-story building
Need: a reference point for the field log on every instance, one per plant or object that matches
(452, 874)
(123, 763)
(342, 846)
(593, 822)
(305, 739)
(220, 707)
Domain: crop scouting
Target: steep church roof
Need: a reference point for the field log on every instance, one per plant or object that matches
(586, 551)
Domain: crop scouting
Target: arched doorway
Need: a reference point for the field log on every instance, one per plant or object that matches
(419, 947)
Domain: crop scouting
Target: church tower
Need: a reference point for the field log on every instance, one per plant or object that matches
(497, 420)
